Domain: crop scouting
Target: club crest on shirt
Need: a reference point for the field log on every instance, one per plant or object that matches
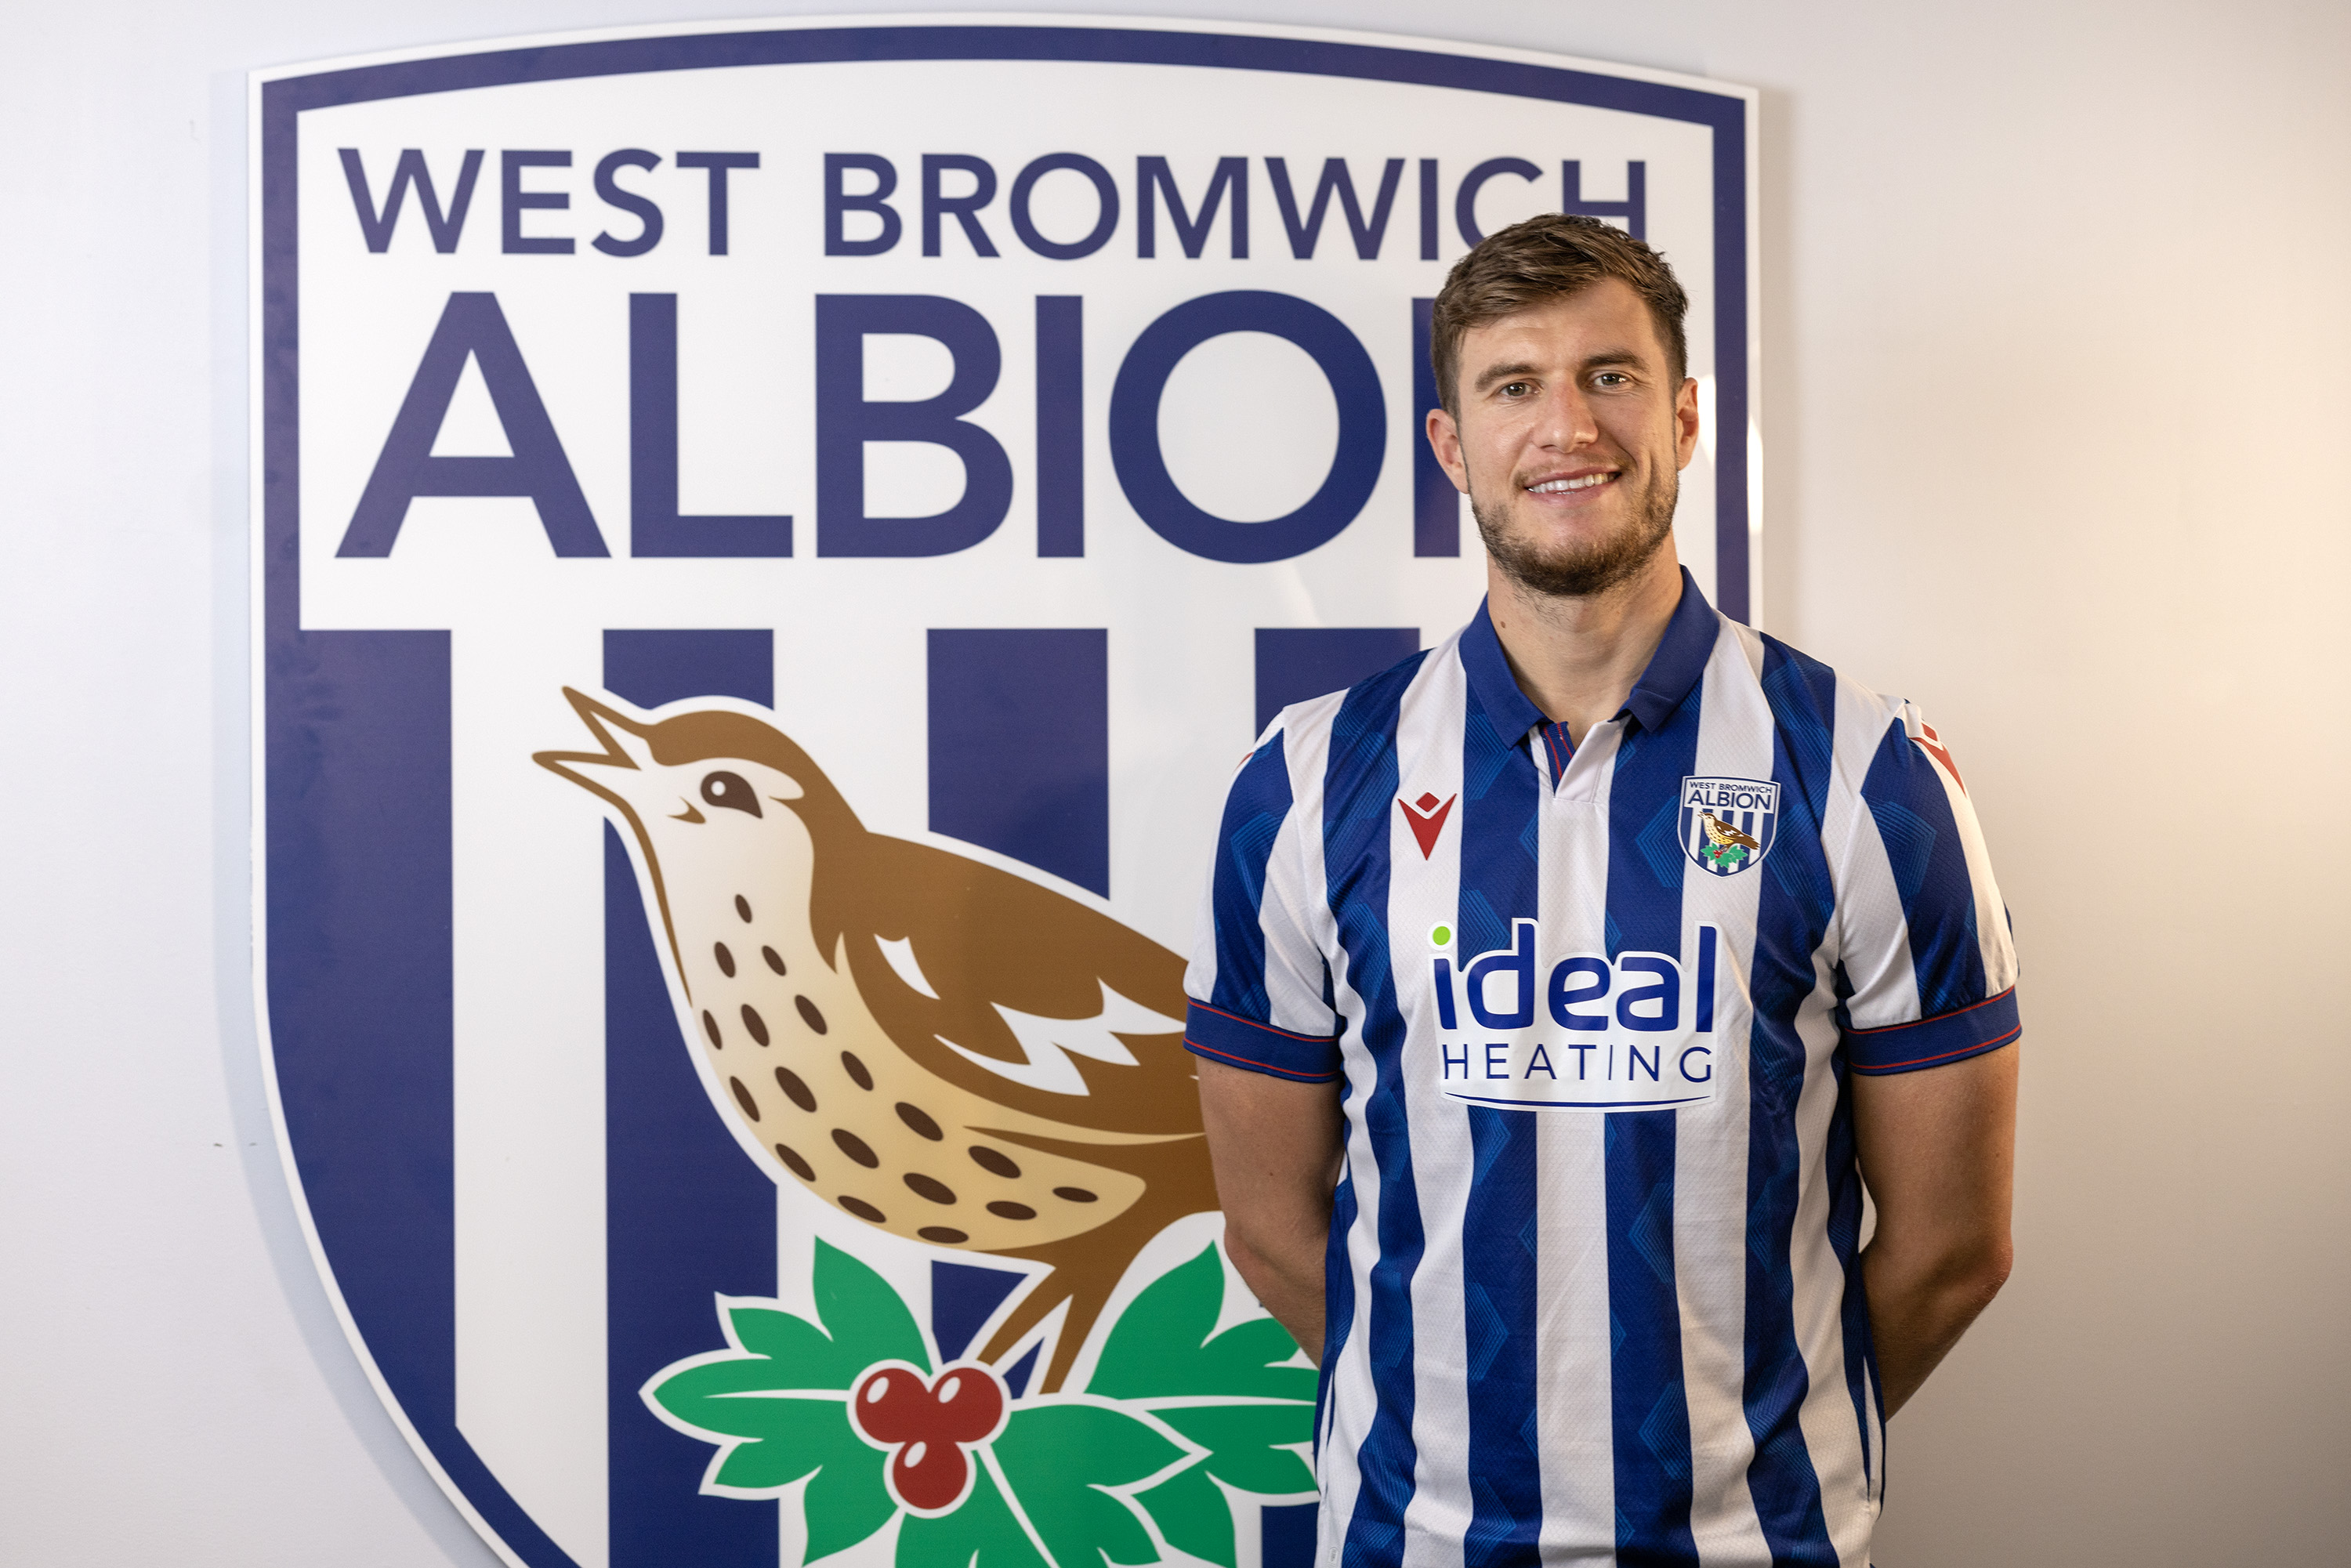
(1728, 824)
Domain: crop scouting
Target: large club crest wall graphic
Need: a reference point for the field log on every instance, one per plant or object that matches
(770, 542)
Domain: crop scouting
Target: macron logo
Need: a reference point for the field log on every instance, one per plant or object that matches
(1932, 744)
(1427, 820)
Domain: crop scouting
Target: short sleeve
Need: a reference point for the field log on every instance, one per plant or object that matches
(1928, 959)
(1257, 987)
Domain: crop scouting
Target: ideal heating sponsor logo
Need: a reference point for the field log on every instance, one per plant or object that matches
(1576, 1032)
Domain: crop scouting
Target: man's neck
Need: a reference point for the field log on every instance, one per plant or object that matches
(1577, 658)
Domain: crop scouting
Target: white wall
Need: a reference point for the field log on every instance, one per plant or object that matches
(2055, 334)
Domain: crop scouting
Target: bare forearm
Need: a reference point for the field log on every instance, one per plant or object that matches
(1285, 1273)
(1921, 1305)
(1274, 1147)
(1937, 1150)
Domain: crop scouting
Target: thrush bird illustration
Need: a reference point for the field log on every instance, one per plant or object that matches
(1724, 835)
(943, 1050)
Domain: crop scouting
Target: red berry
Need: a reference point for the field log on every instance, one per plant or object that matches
(892, 1406)
(929, 1475)
(970, 1400)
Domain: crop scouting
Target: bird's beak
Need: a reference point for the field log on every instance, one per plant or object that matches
(604, 772)
(615, 774)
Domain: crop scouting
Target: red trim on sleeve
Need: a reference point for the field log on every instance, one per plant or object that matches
(1266, 1028)
(1947, 1036)
(1226, 1057)
(1228, 1037)
(1878, 1068)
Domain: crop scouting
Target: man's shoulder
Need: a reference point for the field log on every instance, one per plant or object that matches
(1807, 690)
(1879, 745)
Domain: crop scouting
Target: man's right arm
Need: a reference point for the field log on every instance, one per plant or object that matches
(1274, 1144)
(1266, 1039)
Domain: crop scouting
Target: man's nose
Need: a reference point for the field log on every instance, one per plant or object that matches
(1567, 422)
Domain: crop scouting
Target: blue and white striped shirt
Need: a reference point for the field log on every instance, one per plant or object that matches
(1632, 1329)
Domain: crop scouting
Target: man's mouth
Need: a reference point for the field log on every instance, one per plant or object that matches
(1560, 486)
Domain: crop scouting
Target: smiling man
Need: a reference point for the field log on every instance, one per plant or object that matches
(1561, 988)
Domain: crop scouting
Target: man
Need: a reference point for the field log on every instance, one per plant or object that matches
(1560, 987)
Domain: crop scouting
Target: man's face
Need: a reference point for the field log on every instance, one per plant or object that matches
(1571, 439)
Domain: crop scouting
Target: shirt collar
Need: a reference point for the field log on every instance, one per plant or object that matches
(1672, 671)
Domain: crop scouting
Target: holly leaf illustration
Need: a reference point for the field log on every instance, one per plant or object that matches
(1176, 1414)
(774, 1401)
(1228, 1393)
(847, 1501)
(1193, 1515)
(1162, 1346)
(864, 1319)
(1069, 1465)
(981, 1533)
(1250, 1445)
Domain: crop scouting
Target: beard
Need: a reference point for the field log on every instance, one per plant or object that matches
(1579, 570)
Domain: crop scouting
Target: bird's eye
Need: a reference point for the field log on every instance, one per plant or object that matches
(730, 790)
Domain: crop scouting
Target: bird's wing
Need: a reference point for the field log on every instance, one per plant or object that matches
(1011, 988)
(1051, 1043)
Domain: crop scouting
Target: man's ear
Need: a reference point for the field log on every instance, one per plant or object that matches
(1685, 422)
(1444, 439)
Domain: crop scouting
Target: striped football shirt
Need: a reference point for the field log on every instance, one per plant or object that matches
(1594, 1288)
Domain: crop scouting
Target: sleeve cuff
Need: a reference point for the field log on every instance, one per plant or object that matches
(1933, 1042)
(1244, 1042)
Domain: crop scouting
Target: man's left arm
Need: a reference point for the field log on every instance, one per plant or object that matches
(1938, 1149)
(1930, 1031)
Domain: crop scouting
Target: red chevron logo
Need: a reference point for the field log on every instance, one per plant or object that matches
(1427, 820)
(1932, 744)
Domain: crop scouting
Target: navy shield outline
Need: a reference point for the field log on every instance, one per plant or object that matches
(1728, 824)
(353, 829)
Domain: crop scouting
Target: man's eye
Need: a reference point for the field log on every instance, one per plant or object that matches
(1612, 379)
(1515, 389)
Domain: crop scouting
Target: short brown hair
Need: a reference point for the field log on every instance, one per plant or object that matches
(1541, 259)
